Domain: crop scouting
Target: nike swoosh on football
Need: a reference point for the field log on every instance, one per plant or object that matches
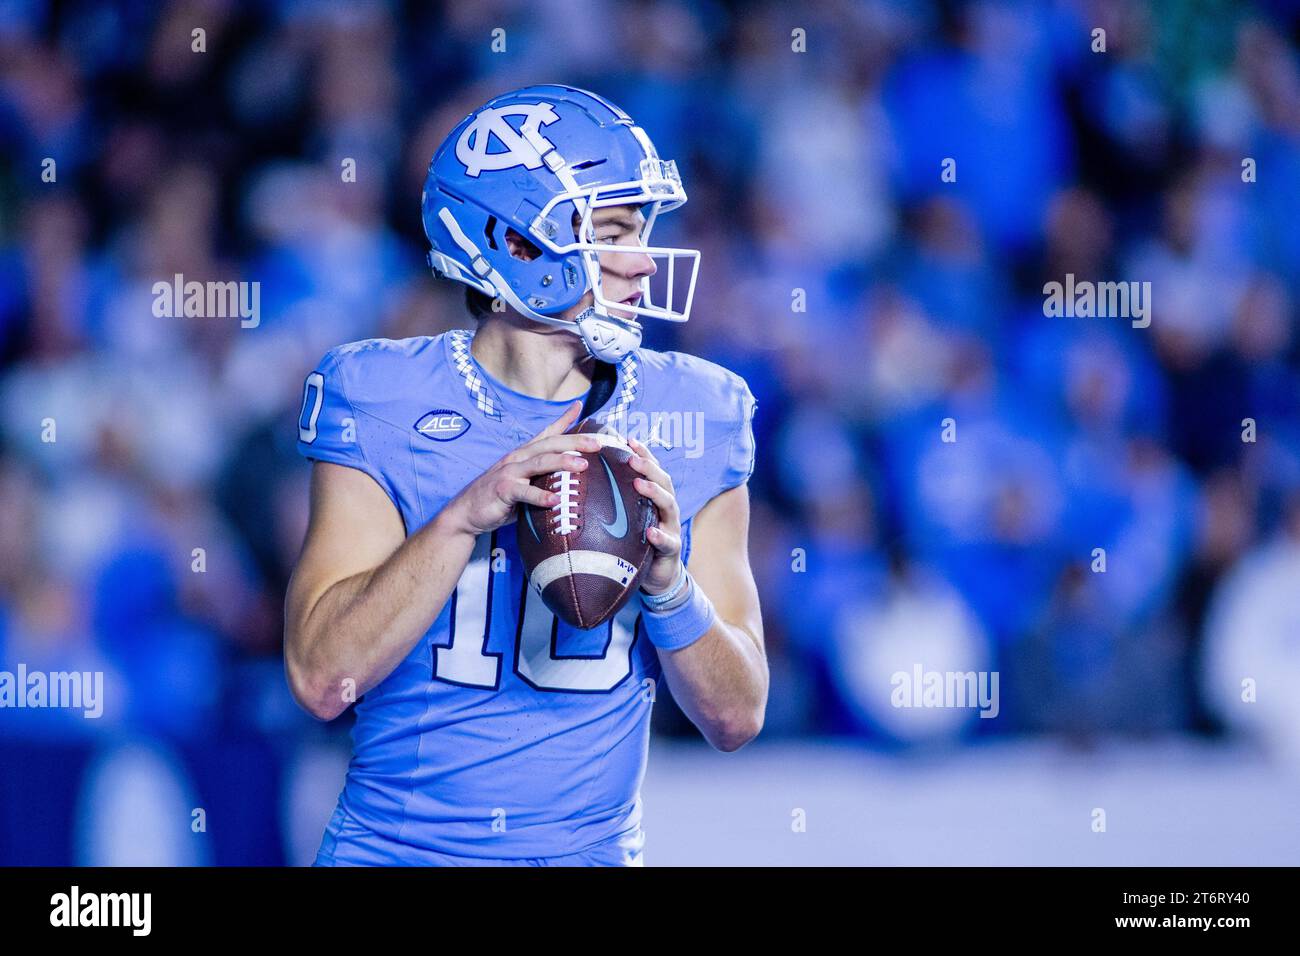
(619, 527)
(529, 515)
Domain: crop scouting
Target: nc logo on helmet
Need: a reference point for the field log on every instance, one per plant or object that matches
(491, 122)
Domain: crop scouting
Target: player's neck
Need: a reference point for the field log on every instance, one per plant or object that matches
(553, 364)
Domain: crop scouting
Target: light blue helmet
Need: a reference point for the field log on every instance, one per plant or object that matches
(537, 160)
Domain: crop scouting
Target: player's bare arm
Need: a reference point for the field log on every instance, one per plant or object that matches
(721, 680)
(362, 593)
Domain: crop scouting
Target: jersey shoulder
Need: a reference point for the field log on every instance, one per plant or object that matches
(373, 371)
(701, 415)
(357, 401)
(704, 386)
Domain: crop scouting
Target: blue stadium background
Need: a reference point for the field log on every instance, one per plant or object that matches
(875, 543)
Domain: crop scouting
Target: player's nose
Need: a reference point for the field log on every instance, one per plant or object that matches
(643, 265)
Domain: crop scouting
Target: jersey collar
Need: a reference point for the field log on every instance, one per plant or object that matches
(489, 404)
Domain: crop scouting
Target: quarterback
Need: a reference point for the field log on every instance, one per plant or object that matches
(489, 731)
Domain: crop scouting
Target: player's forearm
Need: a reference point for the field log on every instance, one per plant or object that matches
(721, 682)
(363, 626)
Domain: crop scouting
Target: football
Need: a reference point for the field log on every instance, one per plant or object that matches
(585, 555)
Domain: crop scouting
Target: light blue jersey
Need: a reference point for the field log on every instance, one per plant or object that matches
(505, 735)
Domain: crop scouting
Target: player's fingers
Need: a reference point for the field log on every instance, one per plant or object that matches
(531, 494)
(649, 468)
(553, 432)
(551, 461)
(563, 422)
(566, 442)
(642, 449)
(663, 500)
(664, 542)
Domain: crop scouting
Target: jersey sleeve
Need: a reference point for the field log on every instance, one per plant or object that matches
(738, 464)
(330, 427)
(726, 460)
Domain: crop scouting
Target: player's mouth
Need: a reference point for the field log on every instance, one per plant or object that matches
(623, 308)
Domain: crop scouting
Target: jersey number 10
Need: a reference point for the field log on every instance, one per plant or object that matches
(469, 663)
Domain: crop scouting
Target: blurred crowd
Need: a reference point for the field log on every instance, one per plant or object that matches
(1099, 533)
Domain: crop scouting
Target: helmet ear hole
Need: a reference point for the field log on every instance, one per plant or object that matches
(521, 247)
(490, 231)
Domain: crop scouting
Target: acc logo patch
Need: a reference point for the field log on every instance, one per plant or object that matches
(489, 124)
(442, 424)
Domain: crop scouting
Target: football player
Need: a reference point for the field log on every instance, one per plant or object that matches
(487, 730)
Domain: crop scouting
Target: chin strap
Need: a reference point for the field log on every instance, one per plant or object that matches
(607, 338)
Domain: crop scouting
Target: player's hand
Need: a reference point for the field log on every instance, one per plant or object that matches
(666, 539)
(489, 501)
